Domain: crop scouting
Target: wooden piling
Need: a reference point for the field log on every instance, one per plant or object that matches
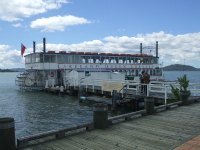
(7, 134)
(100, 116)
(149, 105)
(114, 99)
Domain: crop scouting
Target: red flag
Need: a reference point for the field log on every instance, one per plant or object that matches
(22, 49)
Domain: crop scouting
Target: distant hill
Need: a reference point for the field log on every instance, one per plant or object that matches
(179, 67)
(18, 69)
(13, 70)
(6, 70)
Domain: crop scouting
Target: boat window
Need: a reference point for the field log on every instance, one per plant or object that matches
(106, 61)
(77, 59)
(28, 59)
(136, 72)
(158, 72)
(154, 61)
(83, 59)
(70, 58)
(37, 58)
(131, 61)
(87, 73)
(137, 60)
(101, 59)
(124, 60)
(46, 58)
(149, 60)
(112, 60)
(120, 60)
(132, 72)
(41, 57)
(33, 58)
(145, 61)
(117, 60)
(87, 59)
(52, 58)
(90, 60)
(154, 72)
(62, 58)
(128, 60)
(97, 61)
(151, 72)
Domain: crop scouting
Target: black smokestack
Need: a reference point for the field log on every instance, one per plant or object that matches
(44, 45)
(140, 48)
(156, 48)
(33, 46)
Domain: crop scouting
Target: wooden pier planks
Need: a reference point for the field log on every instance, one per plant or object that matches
(165, 130)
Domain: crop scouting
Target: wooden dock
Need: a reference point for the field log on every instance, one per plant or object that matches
(162, 131)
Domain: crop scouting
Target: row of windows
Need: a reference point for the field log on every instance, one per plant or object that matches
(151, 72)
(154, 72)
(47, 58)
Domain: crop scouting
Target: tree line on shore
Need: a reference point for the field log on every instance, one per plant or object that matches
(12, 70)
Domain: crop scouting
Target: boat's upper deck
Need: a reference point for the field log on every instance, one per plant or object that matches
(89, 57)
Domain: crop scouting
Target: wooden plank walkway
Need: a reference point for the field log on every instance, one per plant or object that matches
(162, 131)
(193, 144)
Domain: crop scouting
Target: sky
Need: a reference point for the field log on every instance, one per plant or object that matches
(117, 26)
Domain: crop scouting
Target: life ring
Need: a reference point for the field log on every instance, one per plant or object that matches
(52, 74)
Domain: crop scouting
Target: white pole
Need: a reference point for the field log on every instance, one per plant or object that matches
(148, 89)
(165, 95)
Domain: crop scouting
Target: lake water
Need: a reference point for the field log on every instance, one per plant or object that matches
(36, 112)
(193, 76)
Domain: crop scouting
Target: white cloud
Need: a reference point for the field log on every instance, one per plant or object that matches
(13, 10)
(58, 23)
(17, 25)
(10, 58)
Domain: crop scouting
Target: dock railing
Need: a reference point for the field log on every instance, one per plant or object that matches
(158, 89)
(162, 89)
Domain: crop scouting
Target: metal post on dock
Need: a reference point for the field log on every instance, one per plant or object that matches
(114, 99)
(149, 105)
(81, 93)
(165, 95)
(100, 116)
(7, 134)
(148, 89)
